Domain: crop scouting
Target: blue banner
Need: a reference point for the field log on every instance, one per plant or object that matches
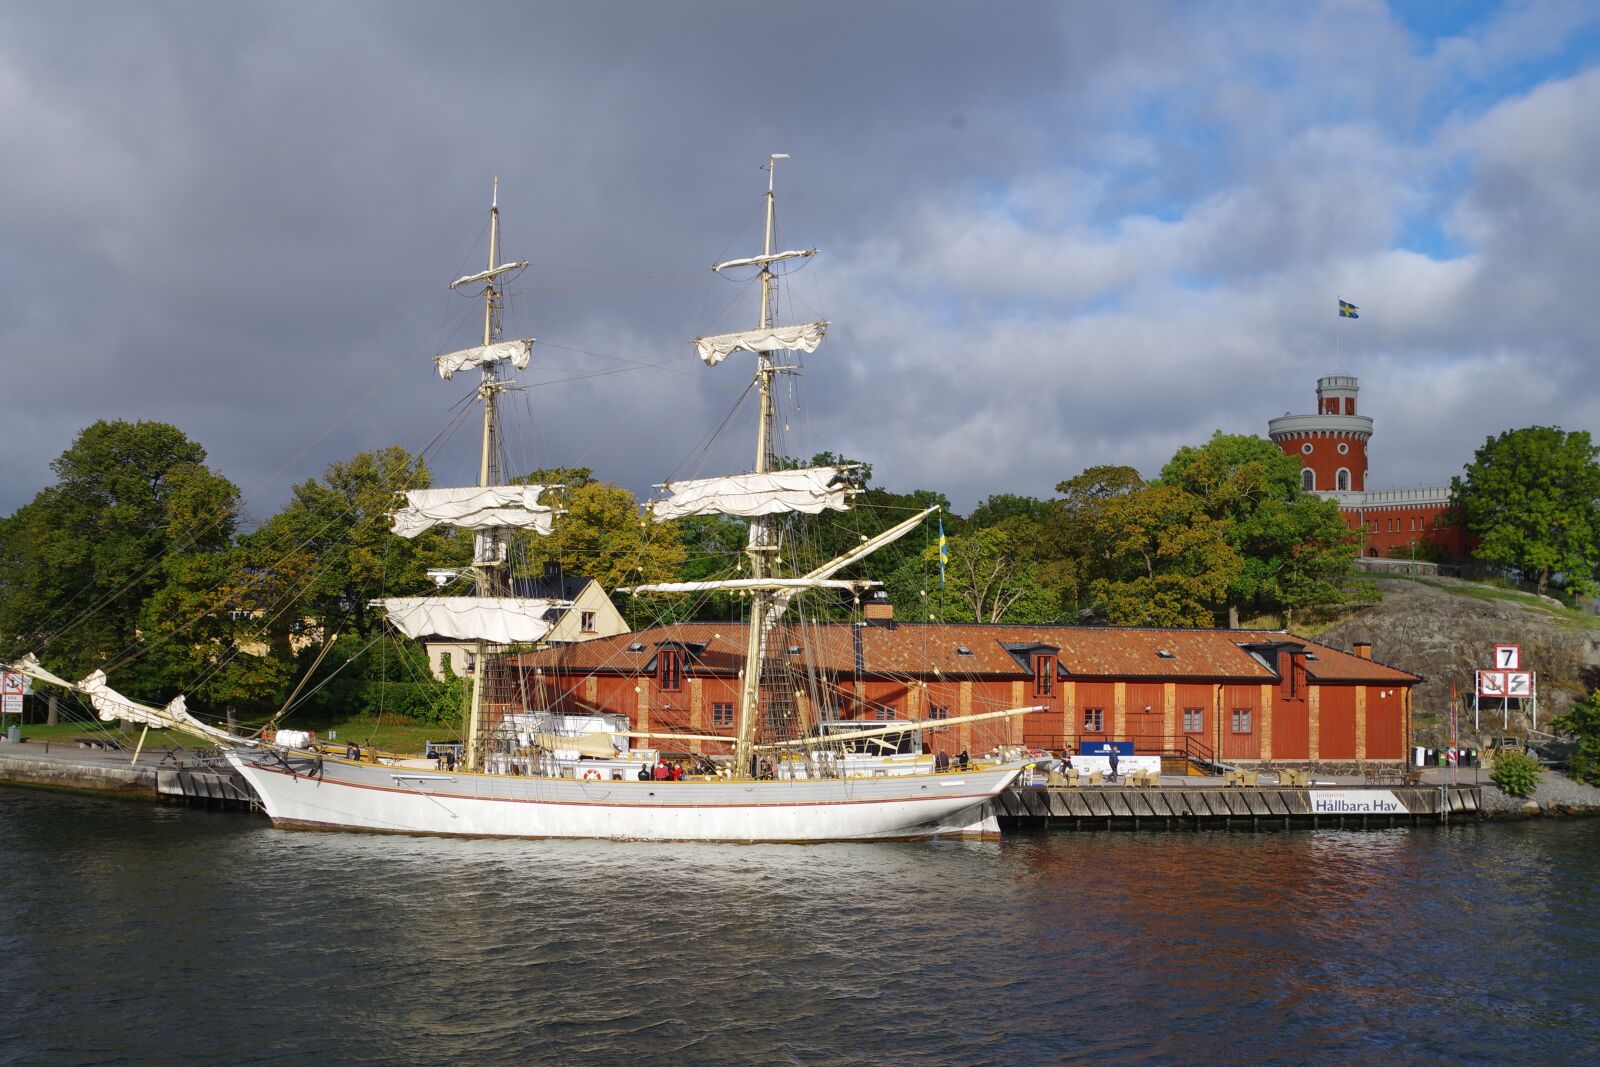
(1105, 748)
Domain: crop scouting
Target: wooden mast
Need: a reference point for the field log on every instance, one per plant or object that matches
(760, 547)
(488, 563)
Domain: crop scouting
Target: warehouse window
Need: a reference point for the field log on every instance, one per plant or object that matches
(1194, 721)
(1044, 675)
(1094, 720)
(722, 715)
(671, 670)
(939, 711)
(1241, 720)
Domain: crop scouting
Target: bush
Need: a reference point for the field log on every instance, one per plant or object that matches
(1584, 764)
(1516, 773)
(1582, 723)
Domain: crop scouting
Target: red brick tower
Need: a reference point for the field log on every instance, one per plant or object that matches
(1330, 445)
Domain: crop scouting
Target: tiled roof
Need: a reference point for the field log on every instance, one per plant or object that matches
(928, 649)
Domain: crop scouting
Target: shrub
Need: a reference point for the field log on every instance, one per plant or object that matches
(1582, 723)
(1516, 773)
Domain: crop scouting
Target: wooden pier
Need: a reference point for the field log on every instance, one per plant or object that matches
(1112, 807)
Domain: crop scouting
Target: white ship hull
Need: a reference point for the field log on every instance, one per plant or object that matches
(361, 796)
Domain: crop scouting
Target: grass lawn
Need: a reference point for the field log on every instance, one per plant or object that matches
(399, 736)
(68, 732)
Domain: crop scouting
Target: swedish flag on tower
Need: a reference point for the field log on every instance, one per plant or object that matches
(1347, 310)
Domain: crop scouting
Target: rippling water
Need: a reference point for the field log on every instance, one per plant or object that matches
(139, 934)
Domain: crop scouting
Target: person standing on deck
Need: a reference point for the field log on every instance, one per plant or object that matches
(1113, 760)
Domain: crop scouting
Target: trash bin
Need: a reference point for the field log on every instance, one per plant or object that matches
(1418, 756)
(14, 733)
(1444, 757)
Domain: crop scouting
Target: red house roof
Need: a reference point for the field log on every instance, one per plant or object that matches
(972, 650)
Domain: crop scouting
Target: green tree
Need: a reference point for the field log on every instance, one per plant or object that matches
(79, 563)
(1532, 497)
(603, 535)
(988, 579)
(332, 545)
(1000, 507)
(1294, 547)
(1582, 723)
(387, 677)
(1165, 561)
(713, 549)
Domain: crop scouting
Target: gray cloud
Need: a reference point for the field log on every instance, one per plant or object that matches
(1053, 236)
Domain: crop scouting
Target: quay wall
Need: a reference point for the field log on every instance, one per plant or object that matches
(45, 772)
(1210, 807)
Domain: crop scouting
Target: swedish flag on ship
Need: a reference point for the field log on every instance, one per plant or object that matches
(1347, 310)
(944, 552)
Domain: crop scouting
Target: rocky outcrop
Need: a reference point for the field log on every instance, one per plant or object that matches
(1438, 628)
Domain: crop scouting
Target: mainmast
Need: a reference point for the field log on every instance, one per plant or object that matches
(489, 563)
(761, 547)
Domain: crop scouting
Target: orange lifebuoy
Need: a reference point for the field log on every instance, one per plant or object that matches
(592, 775)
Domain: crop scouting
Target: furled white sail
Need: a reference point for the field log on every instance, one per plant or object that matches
(111, 704)
(807, 489)
(791, 584)
(31, 666)
(499, 620)
(518, 352)
(474, 508)
(762, 261)
(803, 338)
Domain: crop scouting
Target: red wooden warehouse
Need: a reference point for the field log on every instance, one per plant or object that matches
(1239, 696)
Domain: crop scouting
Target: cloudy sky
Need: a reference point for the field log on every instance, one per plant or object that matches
(1053, 235)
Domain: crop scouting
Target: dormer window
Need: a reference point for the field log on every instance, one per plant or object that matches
(670, 671)
(1044, 675)
(963, 650)
(636, 647)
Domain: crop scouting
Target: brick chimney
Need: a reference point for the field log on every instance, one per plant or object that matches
(879, 608)
(1362, 649)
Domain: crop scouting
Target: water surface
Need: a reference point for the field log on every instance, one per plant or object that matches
(139, 934)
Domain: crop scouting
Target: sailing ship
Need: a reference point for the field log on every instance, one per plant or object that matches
(551, 772)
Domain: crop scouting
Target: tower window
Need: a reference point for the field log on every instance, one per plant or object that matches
(1305, 449)
(1341, 480)
(1308, 479)
(1343, 448)
(1349, 405)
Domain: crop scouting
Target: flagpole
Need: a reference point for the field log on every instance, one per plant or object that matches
(1338, 329)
